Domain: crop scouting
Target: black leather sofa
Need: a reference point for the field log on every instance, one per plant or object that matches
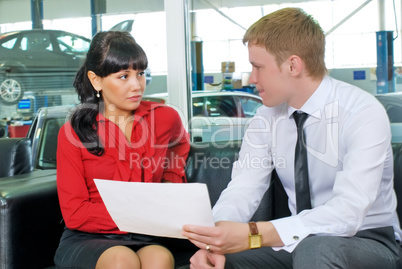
(31, 223)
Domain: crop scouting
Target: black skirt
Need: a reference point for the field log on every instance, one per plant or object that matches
(82, 250)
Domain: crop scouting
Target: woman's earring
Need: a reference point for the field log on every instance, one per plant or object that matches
(97, 94)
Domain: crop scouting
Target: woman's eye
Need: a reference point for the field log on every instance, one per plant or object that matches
(141, 73)
(123, 76)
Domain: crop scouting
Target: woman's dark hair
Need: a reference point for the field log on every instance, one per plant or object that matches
(109, 53)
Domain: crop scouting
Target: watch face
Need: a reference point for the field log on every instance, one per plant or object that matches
(255, 241)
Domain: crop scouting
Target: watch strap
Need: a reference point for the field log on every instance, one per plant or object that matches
(254, 239)
(253, 228)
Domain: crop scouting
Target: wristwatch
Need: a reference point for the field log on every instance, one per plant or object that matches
(254, 237)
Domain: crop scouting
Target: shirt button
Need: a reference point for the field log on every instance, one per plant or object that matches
(296, 238)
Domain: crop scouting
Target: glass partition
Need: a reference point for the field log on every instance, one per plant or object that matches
(39, 66)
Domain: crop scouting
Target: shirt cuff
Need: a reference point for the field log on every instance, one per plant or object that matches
(291, 230)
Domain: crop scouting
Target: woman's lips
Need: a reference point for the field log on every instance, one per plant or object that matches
(135, 98)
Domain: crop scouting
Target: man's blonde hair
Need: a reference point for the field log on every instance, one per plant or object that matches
(291, 31)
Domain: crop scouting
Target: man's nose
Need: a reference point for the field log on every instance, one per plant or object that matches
(253, 78)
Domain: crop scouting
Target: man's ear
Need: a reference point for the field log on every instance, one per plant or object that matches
(295, 65)
(95, 80)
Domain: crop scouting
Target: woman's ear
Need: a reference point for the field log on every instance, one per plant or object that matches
(95, 80)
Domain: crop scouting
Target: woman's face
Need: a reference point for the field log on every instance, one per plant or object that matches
(122, 91)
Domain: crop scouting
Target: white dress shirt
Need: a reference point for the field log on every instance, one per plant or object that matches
(350, 165)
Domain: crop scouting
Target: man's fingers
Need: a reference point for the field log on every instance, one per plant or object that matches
(195, 235)
(201, 230)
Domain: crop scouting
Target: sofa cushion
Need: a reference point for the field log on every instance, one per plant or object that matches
(30, 220)
(211, 163)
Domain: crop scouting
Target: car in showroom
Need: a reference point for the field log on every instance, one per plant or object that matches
(392, 103)
(217, 115)
(39, 60)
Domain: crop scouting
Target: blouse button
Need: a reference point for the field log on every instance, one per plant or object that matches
(296, 238)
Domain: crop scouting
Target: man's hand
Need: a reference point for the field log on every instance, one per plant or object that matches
(225, 237)
(204, 260)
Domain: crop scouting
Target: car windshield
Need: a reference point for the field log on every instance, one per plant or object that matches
(393, 105)
(214, 106)
(48, 144)
(249, 106)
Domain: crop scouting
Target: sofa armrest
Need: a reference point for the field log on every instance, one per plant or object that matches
(30, 220)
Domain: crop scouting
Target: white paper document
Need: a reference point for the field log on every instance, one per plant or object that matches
(159, 209)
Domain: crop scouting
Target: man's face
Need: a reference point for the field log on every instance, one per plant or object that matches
(270, 80)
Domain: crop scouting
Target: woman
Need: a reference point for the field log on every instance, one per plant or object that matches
(114, 135)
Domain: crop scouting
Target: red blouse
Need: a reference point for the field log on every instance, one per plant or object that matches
(158, 151)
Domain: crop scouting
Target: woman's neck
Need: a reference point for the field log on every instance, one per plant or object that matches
(119, 118)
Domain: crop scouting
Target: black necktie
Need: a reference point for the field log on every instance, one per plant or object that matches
(303, 200)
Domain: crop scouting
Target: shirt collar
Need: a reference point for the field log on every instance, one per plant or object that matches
(143, 109)
(315, 104)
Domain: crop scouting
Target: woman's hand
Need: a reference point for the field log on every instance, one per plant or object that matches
(204, 260)
(225, 237)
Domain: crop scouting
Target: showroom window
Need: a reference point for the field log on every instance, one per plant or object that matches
(218, 26)
(352, 44)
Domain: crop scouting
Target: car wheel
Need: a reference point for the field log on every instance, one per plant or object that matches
(11, 91)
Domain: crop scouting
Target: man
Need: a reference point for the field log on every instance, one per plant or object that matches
(348, 218)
